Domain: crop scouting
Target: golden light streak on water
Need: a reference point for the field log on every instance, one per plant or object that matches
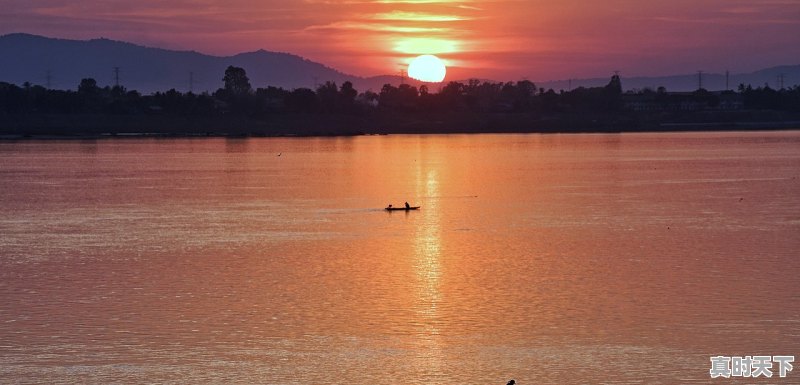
(427, 265)
(544, 258)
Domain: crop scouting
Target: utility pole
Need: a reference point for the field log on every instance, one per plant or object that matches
(780, 81)
(116, 76)
(191, 82)
(569, 85)
(727, 80)
(699, 80)
(48, 78)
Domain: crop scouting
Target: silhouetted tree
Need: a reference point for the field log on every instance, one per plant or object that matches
(89, 95)
(236, 81)
(271, 99)
(88, 86)
(402, 98)
(526, 92)
(368, 99)
(549, 100)
(482, 96)
(237, 100)
(614, 94)
(347, 96)
(766, 98)
(452, 96)
(302, 100)
(614, 86)
(327, 94)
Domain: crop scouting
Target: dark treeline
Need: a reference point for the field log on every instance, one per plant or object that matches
(237, 99)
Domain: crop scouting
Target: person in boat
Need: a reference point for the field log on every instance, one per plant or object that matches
(408, 206)
(388, 207)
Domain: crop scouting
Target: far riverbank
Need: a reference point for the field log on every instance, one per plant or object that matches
(79, 126)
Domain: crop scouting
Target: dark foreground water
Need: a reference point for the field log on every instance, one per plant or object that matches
(551, 259)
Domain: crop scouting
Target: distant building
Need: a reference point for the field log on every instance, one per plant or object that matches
(700, 100)
(730, 101)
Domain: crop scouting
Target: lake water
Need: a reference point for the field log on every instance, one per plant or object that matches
(549, 259)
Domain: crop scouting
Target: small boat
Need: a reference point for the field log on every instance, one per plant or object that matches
(401, 208)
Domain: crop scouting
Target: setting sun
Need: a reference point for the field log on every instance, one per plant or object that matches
(427, 68)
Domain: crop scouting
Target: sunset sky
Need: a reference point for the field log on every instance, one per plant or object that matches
(494, 39)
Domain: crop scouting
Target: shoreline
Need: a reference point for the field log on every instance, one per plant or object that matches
(676, 128)
(102, 126)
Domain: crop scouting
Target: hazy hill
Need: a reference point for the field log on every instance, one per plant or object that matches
(63, 63)
(30, 58)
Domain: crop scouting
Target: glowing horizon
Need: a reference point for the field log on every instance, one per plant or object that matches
(494, 39)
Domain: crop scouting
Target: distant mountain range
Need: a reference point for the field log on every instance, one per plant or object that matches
(61, 64)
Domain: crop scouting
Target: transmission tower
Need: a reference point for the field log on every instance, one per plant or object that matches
(727, 80)
(116, 76)
(699, 80)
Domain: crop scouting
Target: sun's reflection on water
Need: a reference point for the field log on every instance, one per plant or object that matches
(427, 266)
